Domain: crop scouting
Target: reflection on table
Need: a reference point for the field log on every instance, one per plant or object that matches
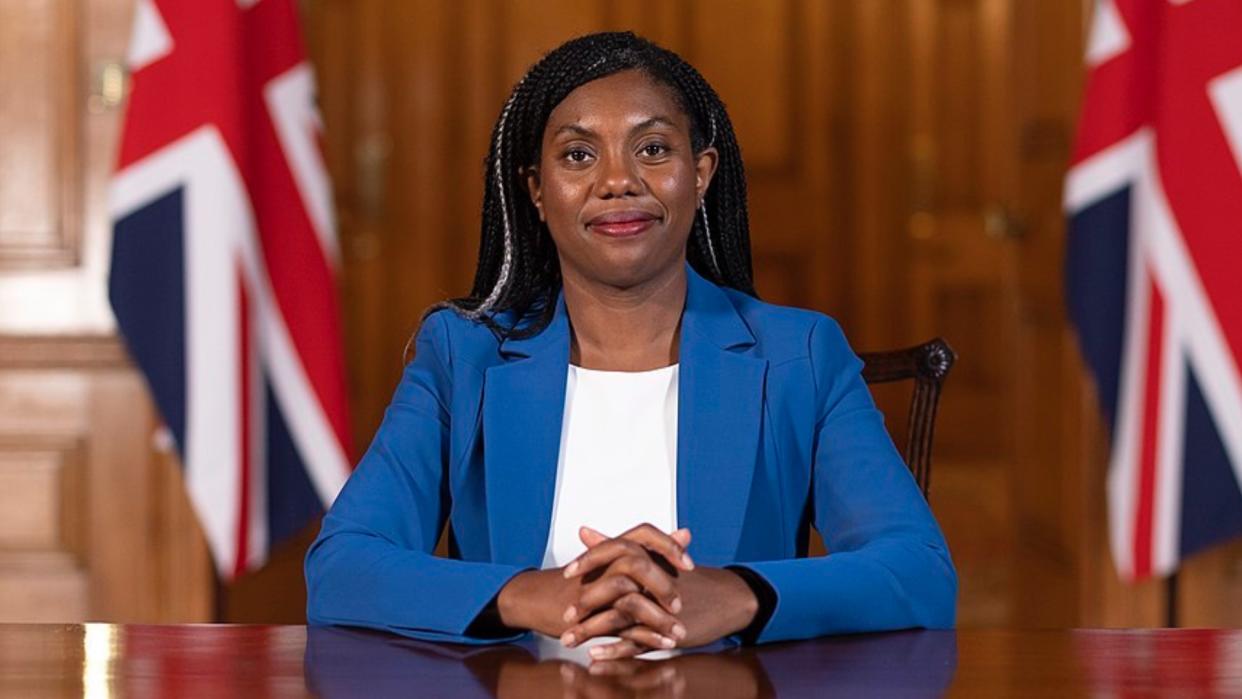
(102, 661)
(340, 662)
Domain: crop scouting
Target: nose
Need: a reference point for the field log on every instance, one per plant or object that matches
(617, 177)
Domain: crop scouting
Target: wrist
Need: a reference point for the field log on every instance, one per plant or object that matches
(509, 602)
(764, 601)
(747, 603)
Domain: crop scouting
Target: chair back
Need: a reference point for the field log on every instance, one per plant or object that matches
(927, 364)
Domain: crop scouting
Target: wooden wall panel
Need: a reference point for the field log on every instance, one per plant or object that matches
(1059, 473)
(95, 519)
(40, 505)
(40, 191)
(531, 28)
(756, 69)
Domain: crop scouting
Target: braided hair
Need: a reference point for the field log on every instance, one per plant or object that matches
(518, 272)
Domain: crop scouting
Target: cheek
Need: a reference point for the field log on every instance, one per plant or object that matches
(563, 196)
(676, 189)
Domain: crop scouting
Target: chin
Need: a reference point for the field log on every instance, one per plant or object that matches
(626, 271)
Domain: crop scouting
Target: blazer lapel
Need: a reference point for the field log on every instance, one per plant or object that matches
(523, 405)
(720, 406)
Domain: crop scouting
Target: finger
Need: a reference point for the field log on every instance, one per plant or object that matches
(624, 648)
(607, 623)
(635, 607)
(644, 612)
(628, 610)
(650, 537)
(591, 537)
(600, 556)
(682, 536)
(670, 546)
(599, 594)
(629, 574)
(646, 636)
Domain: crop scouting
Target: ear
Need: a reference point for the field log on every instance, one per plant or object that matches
(704, 169)
(534, 187)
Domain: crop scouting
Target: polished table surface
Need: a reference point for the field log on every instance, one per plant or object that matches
(104, 660)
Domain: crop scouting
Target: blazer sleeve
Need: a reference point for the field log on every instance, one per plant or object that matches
(372, 564)
(888, 566)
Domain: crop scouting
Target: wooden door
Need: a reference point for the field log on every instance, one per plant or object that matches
(961, 247)
(990, 90)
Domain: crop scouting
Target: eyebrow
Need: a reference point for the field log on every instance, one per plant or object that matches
(644, 124)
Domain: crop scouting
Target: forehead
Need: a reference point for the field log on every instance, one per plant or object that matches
(620, 99)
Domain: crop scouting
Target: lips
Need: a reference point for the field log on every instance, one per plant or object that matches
(620, 224)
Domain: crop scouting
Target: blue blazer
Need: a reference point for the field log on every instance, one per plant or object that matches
(776, 431)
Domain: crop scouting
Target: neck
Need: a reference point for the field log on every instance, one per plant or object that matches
(630, 329)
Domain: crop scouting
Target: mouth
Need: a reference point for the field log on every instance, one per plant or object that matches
(622, 224)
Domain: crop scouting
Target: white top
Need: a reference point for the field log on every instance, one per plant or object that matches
(618, 458)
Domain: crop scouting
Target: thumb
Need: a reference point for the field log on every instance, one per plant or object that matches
(590, 537)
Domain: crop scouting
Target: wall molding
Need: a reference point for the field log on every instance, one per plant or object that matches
(63, 351)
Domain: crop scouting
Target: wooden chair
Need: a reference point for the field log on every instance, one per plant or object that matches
(927, 364)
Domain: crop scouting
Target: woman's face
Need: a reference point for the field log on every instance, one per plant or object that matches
(617, 181)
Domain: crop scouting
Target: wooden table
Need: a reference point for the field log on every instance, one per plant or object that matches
(102, 660)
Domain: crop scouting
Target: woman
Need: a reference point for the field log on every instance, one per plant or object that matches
(625, 442)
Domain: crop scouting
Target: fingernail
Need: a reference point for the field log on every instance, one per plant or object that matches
(676, 605)
(667, 642)
(596, 669)
(598, 652)
(679, 630)
(685, 559)
(571, 569)
(567, 673)
(568, 640)
(570, 613)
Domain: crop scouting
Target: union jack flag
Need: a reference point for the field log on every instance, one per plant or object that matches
(1153, 270)
(223, 260)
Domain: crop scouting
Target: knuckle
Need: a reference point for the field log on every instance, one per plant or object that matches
(630, 602)
(641, 565)
(622, 584)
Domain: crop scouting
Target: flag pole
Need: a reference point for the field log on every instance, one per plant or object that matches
(1170, 603)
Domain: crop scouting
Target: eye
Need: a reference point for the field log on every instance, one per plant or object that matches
(577, 155)
(654, 150)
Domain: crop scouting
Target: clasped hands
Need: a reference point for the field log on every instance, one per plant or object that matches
(641, 586)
